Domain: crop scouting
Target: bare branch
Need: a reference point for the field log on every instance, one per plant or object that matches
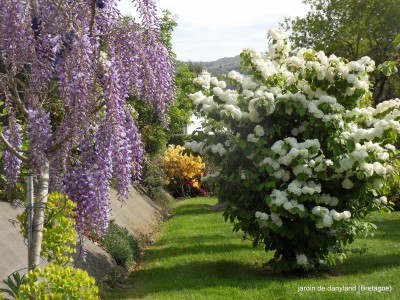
(92, 18)
(10, 148)
(15, 97)
(17, 100)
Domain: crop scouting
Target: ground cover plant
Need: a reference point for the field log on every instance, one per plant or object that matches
(198, 257)
(303, 158)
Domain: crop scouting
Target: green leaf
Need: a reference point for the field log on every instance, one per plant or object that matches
(255, 242)
(396, 41)
(306, 230)
(301, 111)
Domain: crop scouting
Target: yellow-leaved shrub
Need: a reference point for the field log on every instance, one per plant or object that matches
(182, 170)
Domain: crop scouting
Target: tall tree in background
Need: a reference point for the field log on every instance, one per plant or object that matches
(352, 29)
(67, 68)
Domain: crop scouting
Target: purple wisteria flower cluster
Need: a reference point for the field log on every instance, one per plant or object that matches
(69, 67)
(12, 164)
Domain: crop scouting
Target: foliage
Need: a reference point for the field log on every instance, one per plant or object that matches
(183, 170)
(390, 67)
(352, 29)
(179, 139)
(59, 234)
(153, 180)
(58, 282)
(13, 283)
(122, 245)
(301, 164)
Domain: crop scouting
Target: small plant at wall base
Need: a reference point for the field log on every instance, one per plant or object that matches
(122, 245)
(183, 170)
(153, 179)
(302, 164)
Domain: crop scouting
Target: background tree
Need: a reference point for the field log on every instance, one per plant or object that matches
(352, 29)
(66, 69)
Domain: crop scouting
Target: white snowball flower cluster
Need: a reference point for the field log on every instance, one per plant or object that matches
(252, 138)
(276, 34)
(274, 217)
(259, 130)
(298, 187)
(301, 260)
(204, 79)
(195, 146)
(327, 217)
(381, 200)
(329, 200)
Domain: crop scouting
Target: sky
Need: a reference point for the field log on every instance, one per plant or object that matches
(211, 29)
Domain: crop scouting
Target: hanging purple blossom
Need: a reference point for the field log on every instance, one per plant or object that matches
(87, 183)
(12, 165)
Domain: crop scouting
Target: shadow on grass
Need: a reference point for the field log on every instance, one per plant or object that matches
(194, 275)
(206, 274)
(367, 263)
(196, 209)
(385, 230)
(194, 249)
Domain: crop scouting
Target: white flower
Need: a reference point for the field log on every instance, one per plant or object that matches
(383, 200)
(259, 130)
(276, 34)
(390, 147)
(327, 220)
(264, 217)
(319, 211)
(258, 214)
(377, 184)
(328, 162)
(347, 184)
(379, 168)
(301, 259)
(252, 139)
(214, 81)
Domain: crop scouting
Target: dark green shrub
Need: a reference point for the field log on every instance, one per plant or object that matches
(153, 176)
(153, 179)
(122, 245)
(179, 139)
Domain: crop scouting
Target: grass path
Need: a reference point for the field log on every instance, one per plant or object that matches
(198, 257)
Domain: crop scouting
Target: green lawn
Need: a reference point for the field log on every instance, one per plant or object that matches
(198, 257)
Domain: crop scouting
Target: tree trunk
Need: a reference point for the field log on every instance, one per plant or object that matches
(42, 189)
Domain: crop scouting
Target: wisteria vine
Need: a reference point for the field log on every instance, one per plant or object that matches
(68, 69)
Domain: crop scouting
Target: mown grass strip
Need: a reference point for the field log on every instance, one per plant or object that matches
(198, 257)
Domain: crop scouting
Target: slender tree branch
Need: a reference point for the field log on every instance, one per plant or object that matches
(14, 99)
(17, 99)
(92, 18)
(98, 107)
(10, 148)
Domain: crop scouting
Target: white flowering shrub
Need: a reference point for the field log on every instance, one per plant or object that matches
(302, 162)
